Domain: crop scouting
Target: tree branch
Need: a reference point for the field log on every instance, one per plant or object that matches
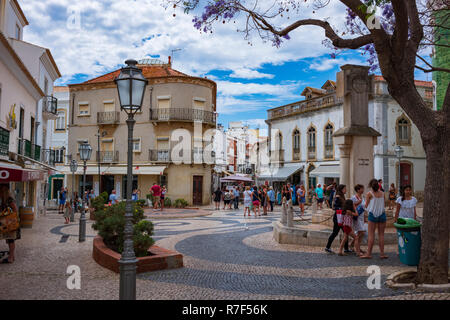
(416, 26)
(337, 41)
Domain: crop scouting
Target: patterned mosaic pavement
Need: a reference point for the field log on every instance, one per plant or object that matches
(225, 257)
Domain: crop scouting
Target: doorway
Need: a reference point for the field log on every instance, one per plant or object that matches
(405, 174)
(107, 184)
(198, 190)
(56, 188)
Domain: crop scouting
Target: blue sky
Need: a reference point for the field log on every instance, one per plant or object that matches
(90, 38)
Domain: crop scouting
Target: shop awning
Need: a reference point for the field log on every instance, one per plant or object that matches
(326, 171)
(14, 173)
(122, 170)
(236, 179)
(280, 174)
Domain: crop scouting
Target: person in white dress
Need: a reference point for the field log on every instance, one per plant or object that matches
(247, 200)
(358, 223)
(406, 204)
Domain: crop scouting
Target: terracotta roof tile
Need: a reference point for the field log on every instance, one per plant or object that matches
(148, 71)
(418, 83)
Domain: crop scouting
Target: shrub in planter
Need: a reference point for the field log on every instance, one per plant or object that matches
(180, 203)
(142, 239)
(167, 202)
(98, 203)
(141, 203)
(110, 224)
(150, 197)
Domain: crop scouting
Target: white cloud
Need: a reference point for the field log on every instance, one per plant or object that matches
(245, 73)
(327, 64)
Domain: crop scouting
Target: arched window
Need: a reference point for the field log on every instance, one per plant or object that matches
(403, 131)
(296, 145)
(329, 148)
(311, 143)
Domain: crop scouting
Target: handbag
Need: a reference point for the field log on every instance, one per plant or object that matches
(340, 217)
(9, 221)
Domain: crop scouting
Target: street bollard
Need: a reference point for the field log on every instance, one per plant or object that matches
(314, 206)
(290, 214)
(284, 212)
(72, 212)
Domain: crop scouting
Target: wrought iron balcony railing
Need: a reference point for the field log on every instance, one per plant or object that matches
(36, 152)
(165, 156)
(107, 156)
(4, 142)
(112, 117)
(183, 114)
(50, 105)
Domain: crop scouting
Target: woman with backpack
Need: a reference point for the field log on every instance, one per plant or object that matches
(338, 206)
(377, 218)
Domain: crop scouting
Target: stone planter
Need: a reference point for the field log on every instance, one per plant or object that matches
(160, 258)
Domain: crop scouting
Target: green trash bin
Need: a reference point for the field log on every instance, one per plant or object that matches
(409, 240)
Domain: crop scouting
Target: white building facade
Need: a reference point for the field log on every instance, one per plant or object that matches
(303, 148)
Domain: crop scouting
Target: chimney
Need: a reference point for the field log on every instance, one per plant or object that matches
(170, 61)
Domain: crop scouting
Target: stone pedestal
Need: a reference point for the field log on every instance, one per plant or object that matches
(356, 139)
(290, 214)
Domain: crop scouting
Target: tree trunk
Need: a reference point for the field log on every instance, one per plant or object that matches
(433, 267)
(434, 129)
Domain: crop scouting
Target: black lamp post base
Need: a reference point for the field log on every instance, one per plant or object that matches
(127, 279)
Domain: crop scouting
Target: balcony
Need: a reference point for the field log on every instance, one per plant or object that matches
(104, 118)
(107, 156)
(4, 143)
(165, 156)
(311, 153)
(49, 107)
(24, 147)
(304, 106)
(183, 114)
(49, 157)
(36, 151)
(329, 152)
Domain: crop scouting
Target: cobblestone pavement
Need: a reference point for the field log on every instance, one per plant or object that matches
(225, 257)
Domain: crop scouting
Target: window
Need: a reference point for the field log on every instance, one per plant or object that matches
(296, 145)
(83, 109)
(137, 145)
(45, 86)
(60, 122)
(59, 156)
(163, 103)
(329, 148)
(199, 104)
(403, 131)
(18, 32)
(311, 143)
(109, 106)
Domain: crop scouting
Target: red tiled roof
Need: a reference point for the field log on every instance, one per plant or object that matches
(418, 83)
(60, 89)
(148, 71)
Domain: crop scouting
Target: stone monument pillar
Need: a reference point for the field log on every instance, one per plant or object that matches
(290, 215)
(356, 139)
(283, 212)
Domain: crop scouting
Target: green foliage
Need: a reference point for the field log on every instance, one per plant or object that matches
(180, 203)
(142, 239)
(141, 203)
(99, 202)
(150, 197)
(110, 224)
(167, 202)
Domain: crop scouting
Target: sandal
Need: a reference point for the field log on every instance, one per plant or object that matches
(365, 257)
(384, 257)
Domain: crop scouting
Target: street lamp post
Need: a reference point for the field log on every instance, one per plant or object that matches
(73, 169)
(131, 85)
(399, 153)
(85, 155)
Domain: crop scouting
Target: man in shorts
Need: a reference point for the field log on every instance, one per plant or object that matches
(319, 194)
(62, 200)
(156, 191)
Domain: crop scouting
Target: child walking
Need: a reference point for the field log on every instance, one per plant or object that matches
(349, 213)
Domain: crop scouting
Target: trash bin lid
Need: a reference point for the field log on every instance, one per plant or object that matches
(407, 223)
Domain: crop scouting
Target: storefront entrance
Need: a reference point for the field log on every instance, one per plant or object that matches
(198, 190)
(107, 184)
